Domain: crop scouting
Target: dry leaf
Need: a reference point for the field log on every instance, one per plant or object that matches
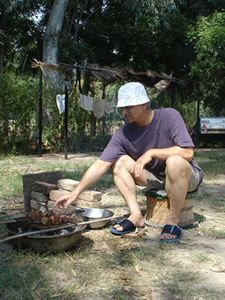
(187, 243)
(74, 272)
(139, 272)
(105, 246)
(217, 271)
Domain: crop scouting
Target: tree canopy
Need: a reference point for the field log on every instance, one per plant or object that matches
(182, 38)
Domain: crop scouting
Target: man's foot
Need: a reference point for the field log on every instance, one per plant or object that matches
(171, 233)
(136, 220)
(127, 227)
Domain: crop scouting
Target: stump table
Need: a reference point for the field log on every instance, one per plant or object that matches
(158, 209)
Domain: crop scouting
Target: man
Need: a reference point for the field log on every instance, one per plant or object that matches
(153, 149)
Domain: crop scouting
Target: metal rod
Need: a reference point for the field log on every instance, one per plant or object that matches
(58, 228)
(35, 232)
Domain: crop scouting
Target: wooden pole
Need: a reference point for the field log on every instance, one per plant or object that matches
(40, 113)
(66, 118)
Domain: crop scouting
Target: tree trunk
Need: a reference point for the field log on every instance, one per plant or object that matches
(53, 30)
(50, 54)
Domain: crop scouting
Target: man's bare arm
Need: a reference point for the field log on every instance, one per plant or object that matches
(92, 175)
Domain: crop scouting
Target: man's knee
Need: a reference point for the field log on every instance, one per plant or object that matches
(177, 166)
(124, 161)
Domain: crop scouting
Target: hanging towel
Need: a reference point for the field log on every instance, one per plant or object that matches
(86, 102)
(60, 101)
(98, 107)
(109, 107)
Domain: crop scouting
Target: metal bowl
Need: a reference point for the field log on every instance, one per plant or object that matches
(89, 214)
(45, 243)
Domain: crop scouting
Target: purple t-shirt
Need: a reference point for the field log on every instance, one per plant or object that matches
(167, 129)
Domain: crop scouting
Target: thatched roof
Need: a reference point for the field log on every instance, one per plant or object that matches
(149, 78)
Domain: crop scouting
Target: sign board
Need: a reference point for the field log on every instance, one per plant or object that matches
(212, 125)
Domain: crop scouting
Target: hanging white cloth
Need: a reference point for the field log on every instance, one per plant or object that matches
(109, 107)
(86, 102)
(60, 101)
(98, 107)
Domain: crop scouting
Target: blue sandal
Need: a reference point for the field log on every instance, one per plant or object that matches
(127, 226)
(174, 230)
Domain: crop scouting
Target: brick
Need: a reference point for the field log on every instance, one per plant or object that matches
(50, 204)
(67, 184)
(36, 204)
(39, 197)
(29, 179)
(58, 210)
(56, 194)
(79, 203)
(90, 196)
(88, 204)
(43, 187)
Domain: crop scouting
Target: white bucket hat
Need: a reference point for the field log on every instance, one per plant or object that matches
(131, 94)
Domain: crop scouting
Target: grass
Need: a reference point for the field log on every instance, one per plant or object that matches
(212, 162)
(136, 268)
(12, 169)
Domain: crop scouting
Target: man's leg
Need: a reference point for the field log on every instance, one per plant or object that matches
(126, 185)
(178, 174)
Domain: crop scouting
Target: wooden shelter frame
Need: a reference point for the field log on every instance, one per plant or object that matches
(148, 78)
(114, 75)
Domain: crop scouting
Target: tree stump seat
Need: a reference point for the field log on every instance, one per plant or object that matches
(158, 209)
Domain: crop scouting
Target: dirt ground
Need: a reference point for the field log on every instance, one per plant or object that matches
(201, 250)
(203, 242)
(199, 242)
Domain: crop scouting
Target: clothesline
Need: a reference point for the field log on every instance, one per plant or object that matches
(98, 106)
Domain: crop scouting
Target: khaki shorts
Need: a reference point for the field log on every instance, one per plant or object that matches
(157, 182)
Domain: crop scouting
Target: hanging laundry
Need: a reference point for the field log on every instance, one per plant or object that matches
(98, 108)
(60, 101)
(109, 107)
(86, 102)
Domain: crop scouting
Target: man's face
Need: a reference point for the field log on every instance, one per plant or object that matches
(133, 113)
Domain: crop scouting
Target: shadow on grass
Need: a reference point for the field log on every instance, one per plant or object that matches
(199, 218)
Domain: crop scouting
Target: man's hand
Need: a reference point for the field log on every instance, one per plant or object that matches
(163, 154)
(140, 163)
(65, 200)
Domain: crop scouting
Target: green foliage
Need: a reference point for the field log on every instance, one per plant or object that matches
(181, 38)
(24, 35)
(17, 112)
(188, 110)
(209, 66)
